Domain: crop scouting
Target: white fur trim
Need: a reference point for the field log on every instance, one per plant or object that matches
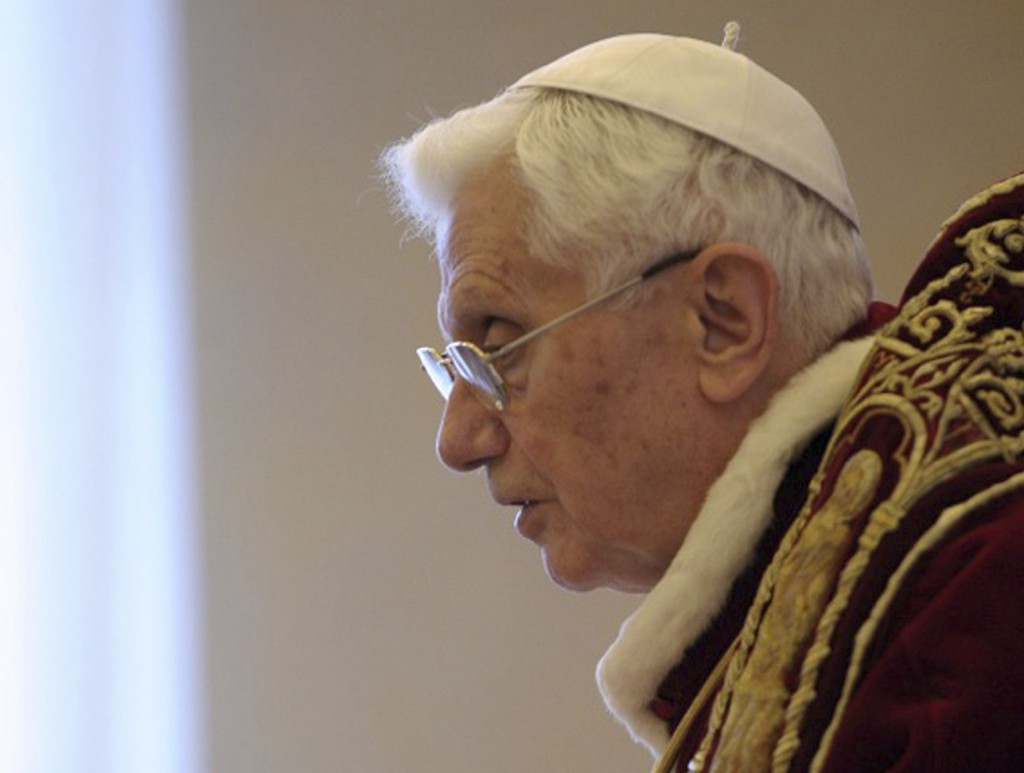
(721, 542)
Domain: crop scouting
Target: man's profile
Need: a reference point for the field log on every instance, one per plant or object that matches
(661, 346)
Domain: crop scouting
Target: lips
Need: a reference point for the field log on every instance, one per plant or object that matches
(528, 522)
(514, 501)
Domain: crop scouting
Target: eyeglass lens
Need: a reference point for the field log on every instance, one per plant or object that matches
(437, 370)
(471, 364)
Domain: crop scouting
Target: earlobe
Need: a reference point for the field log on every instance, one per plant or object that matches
(738, 312)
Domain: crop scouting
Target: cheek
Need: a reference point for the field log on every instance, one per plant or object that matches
(618, 389)
(586, 414)
(599, 401)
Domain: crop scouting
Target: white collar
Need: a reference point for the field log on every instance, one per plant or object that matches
(721, 542)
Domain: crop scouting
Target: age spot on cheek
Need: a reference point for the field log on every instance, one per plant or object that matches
(631, 386)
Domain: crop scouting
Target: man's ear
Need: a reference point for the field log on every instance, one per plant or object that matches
(738, 309)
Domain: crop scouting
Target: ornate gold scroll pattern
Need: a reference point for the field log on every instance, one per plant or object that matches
(981, 199)
(961, 396)
(954, 383)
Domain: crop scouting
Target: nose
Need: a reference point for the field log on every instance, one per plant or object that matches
(470, 434)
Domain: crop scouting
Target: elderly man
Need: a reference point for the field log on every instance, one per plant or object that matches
(663, 351)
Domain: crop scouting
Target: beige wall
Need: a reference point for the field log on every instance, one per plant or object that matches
(365, 609)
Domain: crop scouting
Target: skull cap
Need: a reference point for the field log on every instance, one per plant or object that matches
(713, 90)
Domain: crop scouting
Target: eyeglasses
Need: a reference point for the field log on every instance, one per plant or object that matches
(465, 360)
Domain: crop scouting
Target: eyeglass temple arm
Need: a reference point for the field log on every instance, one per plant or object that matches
(671, 260)
(661, 265)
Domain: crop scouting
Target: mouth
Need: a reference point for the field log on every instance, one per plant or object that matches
(527, 522)
(507, 501)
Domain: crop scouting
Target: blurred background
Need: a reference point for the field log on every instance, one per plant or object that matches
(226, 543)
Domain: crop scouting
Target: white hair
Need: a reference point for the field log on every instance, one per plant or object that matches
(624, 188)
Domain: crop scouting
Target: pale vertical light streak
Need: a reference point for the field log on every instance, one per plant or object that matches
(99, 639)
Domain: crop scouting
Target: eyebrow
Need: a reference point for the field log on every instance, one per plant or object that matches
(479, 302)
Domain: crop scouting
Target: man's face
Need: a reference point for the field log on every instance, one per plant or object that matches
(606, 448)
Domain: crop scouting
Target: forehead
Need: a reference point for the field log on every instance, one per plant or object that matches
(487, 268)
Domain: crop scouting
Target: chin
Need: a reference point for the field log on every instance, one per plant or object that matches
(576, 576)
(583, 577)
(572, 583)
(568, 580)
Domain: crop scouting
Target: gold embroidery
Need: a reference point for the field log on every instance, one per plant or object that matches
(761, 692)
(671, 754)
(981, 199)
(954, 382)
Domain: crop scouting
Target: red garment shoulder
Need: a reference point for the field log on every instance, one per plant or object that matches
(947, 690)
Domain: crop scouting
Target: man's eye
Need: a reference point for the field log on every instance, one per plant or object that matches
(499, 333)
